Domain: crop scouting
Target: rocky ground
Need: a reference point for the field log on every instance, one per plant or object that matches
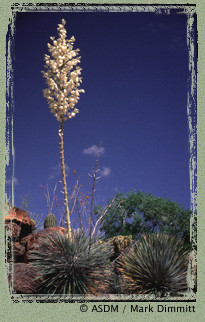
(21, 240)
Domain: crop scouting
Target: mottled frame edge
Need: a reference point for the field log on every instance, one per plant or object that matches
(191, 106)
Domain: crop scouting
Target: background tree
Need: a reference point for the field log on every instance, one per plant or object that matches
(63, 79)
(138, 213)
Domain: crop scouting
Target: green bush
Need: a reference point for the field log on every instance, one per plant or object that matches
(137, 213)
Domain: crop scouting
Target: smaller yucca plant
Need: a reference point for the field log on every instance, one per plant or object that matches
(68, 266)
(156, 264)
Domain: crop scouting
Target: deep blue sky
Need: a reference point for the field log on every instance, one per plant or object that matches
(135, 76)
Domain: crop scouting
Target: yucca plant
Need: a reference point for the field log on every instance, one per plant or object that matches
(156, 264)
(63, 79)
(68, 266)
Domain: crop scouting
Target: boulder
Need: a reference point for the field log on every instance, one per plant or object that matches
(22, 278)
(12, 229)
(19, 251)
(18, 222)
(18, 226)
(22, 240)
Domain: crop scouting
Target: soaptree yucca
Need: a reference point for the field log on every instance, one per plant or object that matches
(63, 80)
(156, 264)
(71, 265)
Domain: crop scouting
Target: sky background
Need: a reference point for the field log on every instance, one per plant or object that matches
(135, 77)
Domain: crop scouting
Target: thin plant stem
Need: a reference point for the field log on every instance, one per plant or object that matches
(54, 190)
(64, 179)
(103, 214)
(96, 170)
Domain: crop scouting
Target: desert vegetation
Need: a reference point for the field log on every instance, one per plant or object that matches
(137, 244)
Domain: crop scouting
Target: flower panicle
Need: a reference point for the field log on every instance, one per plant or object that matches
(62, 76)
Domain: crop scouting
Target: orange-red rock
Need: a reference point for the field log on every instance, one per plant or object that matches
(19, 250)
(22, 278)
(21, 218)
(13, 229)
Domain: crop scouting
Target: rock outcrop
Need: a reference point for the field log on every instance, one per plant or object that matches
(22, 278)
(18, 226)
(21, 240)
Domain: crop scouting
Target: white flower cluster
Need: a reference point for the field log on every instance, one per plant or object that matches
(62, 76)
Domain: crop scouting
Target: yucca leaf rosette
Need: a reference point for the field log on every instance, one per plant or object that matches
(69, 266)
(157, 264)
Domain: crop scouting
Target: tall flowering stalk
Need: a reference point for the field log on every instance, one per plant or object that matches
(63, 79)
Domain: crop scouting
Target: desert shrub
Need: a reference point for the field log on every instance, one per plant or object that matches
(156, 264)
(120, 243)
(71, 266)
